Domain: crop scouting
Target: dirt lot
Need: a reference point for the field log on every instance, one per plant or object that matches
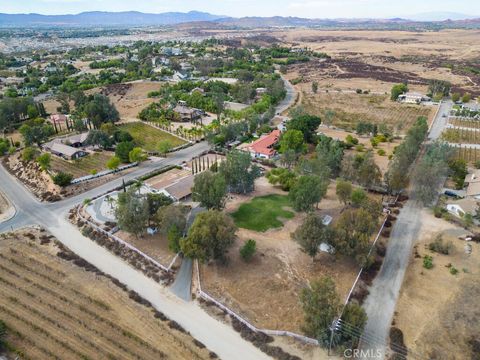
(54, 309)
(350, 109)
(130, 98)
(155, 246)
(279, 267)
(381, 161)
(372, 60)
(437, 311)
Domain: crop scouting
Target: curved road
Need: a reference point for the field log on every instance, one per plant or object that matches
(217, 336)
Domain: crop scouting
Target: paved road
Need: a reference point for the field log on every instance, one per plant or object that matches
(381, 302)
(289, 99)
(382, 299)
(217, 336)
(440, 121)
(183, 281)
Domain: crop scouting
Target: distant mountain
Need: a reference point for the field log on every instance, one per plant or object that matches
(440, 16)
(202, 19)
(100, 18)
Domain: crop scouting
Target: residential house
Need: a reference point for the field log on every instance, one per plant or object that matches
(472, 181)
(263, 148)
(187, 113)
(58, 119)
(413, 98)
(66, 151)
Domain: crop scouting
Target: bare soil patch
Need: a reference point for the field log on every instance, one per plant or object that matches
(444, 306)
(350, 109)
(266, 290)
(55, 309)
(130, 98)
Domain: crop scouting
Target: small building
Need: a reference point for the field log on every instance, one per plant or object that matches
(263, 148)
(67, 152)
(187, 113)
(58, 119)
(182, 189)
(413, 98)
(462, 207)
(472, 181)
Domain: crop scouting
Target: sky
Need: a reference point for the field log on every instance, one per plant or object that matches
(239, 8)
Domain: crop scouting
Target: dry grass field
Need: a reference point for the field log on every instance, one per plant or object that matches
(437, 311)
(56, 310)
(350, 109)
(279, 267)
(83, 166)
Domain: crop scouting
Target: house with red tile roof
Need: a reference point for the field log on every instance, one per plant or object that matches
(264, 147)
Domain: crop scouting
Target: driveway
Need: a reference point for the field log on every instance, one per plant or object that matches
(289, 99)
(383, 296)
(382, 299)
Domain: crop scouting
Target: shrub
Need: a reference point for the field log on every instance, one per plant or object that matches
(94, 172)
(351, 140)
(453, 270)
(440, 246)
(381, 152)
(359, 91)
(87, 201)
(62, 179)
(427, 262)
(29, 153)
(248, 250)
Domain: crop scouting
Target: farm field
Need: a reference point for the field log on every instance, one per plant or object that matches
(465, 123)
(54, 309)
(83, 166)
(470, 155)
(148, 137)
(263, 213)
(350, 109)
(461, 136)
(444, 305)
(252, 289)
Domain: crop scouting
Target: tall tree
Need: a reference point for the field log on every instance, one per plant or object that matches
(353, 231)
(132, 212)
(307, 192)
(344, 190)
(239, 172)
(210, 189)
(311, 234)
(321, 304)
(307, 124)
(210, 237)
(292, 140)
(171, 216)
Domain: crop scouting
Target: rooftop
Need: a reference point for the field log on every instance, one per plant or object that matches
(265, 144)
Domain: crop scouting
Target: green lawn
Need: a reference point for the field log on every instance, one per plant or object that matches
(148, 137)
(83, 166)
(263, 213)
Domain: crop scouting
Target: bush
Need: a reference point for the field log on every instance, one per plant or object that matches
(440, 246)
(351, 140)
(359, 91)
(29, 153)
(427, 262)
(248, 250)
(453, 270)
(62, 179)
(381, 152)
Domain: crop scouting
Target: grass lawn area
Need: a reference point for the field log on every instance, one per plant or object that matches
(148, 137)
(83, 166)
(263, 213)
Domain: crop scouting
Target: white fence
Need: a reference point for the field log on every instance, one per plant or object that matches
(207, 297)
(103, 173)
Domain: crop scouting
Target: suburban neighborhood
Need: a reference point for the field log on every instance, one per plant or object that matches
(194, 186)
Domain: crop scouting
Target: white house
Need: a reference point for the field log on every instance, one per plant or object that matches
(462, 207)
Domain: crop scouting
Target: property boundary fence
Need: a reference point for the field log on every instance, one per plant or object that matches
(208, 297)
(103, 173)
